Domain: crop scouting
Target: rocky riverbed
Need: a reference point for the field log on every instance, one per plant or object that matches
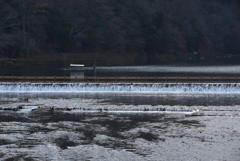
(51, 129)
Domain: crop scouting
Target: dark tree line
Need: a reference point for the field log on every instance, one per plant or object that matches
(143, 31)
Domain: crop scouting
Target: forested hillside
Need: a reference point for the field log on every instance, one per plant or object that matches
(122, 31)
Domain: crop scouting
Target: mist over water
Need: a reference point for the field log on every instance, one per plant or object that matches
(179, 52)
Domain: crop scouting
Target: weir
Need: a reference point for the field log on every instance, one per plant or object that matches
(165, 88)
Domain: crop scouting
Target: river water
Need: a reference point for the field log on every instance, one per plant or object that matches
(113, 121)
(151, 70)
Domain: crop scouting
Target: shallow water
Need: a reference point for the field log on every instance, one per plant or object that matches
(49, 126)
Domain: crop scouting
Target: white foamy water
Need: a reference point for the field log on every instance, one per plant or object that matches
(178, 88)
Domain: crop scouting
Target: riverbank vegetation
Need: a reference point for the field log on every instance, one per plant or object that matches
(120, 32)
